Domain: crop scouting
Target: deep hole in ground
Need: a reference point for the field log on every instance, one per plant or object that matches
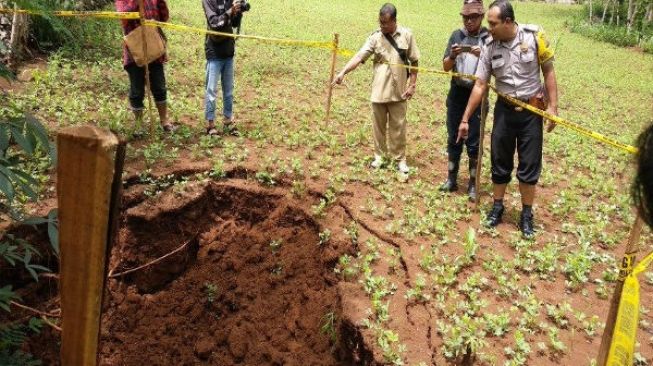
(252, 286)
(248, 282)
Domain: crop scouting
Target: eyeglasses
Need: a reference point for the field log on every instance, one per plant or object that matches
(468, 18)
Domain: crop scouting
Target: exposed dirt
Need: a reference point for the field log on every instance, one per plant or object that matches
(252, 285)
(269, 306)
(234, 297)
(24, 74)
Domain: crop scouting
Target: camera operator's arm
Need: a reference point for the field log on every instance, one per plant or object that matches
(237, 19)
(218, 18)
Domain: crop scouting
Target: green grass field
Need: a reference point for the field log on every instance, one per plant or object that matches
(550, 289)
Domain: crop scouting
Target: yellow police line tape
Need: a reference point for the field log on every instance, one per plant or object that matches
(135, 15)
(343, 52)
(557, 120)
(625, 331)
(295, 42)
(623, 344)
(65, 13)
(570, 125)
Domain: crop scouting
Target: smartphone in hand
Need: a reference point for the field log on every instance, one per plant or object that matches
(465, 48)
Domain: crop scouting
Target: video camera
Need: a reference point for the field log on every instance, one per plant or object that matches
(244, 5)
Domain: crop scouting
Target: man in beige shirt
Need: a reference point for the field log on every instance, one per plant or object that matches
(392, 46)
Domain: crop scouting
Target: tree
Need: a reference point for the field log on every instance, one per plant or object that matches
(18, 37)
(54, 30)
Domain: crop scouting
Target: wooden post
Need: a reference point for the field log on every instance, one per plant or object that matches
(631, 251)
(85, 181)
(479, 163)
(334, 59)
(141, 12)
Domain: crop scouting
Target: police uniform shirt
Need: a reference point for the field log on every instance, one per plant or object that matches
(389, 82)
(515, 64)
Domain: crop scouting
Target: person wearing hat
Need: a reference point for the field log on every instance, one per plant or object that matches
(461, 56)
(390, 46)
(515, 55)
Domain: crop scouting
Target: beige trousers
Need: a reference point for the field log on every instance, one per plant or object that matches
(389, 122)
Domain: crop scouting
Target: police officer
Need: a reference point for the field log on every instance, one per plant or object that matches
(514, 55)
(461, 55)
(392, 85)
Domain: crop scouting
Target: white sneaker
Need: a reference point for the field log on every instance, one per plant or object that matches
(403, 167)
(378, 161)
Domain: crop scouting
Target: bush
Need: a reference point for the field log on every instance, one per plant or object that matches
(615, 35)
(641, 34)
(73, 36)
(22, 140)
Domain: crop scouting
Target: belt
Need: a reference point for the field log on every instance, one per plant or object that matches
(513, 107)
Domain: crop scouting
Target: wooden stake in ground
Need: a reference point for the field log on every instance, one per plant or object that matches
(479, 163)
(627, 265)
(85, 181)
(334, 59)
(141, 12)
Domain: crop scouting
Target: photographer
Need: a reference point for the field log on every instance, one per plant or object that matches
(461, 55)
(221, 16)
(516, 55)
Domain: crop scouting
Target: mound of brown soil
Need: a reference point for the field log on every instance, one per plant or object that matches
(251, 286)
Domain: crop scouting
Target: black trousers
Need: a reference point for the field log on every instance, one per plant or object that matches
(456, 103)
(522, 131)
(137, 84)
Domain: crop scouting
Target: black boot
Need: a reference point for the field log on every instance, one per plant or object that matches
(471, 187)
(451, 185)
(526, 225)
(494, 216)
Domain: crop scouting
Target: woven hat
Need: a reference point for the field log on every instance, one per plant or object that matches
(472, 7)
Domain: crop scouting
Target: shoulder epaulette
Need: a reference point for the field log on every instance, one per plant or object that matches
(532, 28)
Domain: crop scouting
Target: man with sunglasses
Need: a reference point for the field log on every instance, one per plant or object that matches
(461, 56)
(515, 56)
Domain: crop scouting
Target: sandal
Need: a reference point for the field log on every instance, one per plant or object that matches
(230, 129)
(211, 131)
